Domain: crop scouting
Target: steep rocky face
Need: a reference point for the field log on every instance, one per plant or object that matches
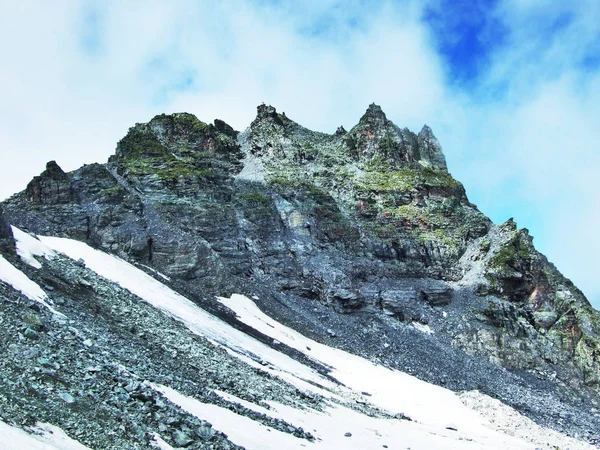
(377, 139)
(367, 223)
(177, 153)
(536, 314)
(51, 187)
(390, 202)
(7, 243)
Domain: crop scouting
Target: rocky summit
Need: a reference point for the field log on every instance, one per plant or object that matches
(360, 240)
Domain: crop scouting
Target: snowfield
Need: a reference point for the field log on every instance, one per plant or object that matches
(42, 437)
(441, 419)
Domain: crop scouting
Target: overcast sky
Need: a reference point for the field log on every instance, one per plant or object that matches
(510, 88)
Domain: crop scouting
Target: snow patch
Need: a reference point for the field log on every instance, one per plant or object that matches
(43, 436)
(509, 421)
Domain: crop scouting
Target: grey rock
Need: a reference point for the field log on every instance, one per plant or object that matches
(347, 298)
(437, 296)
(182, 439)
(132, 386)
(7, 242)
(545, 319)
(32, 319)
(31, 333)
(31, 352)
(205, 433)
(398, 302)
(66, 397)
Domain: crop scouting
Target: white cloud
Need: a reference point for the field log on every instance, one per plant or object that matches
(75, 76)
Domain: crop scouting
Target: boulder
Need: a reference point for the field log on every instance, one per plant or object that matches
(399, 303)
(347, 298)
(437, 296)
(545, 319)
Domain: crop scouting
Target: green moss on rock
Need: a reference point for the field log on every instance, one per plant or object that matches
(511, 255)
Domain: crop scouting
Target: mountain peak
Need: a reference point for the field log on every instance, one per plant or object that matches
(54, 170)
(375, 138)
(374, 113)
(430, 149)
(270, 114)
(426, 131)
(264, 110)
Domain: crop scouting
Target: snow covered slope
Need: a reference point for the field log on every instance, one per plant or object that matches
(364, 405)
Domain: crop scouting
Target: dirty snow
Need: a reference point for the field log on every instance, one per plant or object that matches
(43, 436)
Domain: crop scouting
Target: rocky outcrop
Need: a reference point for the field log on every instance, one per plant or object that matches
(437, 296)
(51, 187)
(400, 304)
(430, 149)
(536, 315)
(177, 153)
(377, 140)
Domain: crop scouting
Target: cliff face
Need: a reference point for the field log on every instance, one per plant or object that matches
(7, 243)
(367, 223)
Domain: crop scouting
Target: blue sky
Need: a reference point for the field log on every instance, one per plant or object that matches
(510, 87)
